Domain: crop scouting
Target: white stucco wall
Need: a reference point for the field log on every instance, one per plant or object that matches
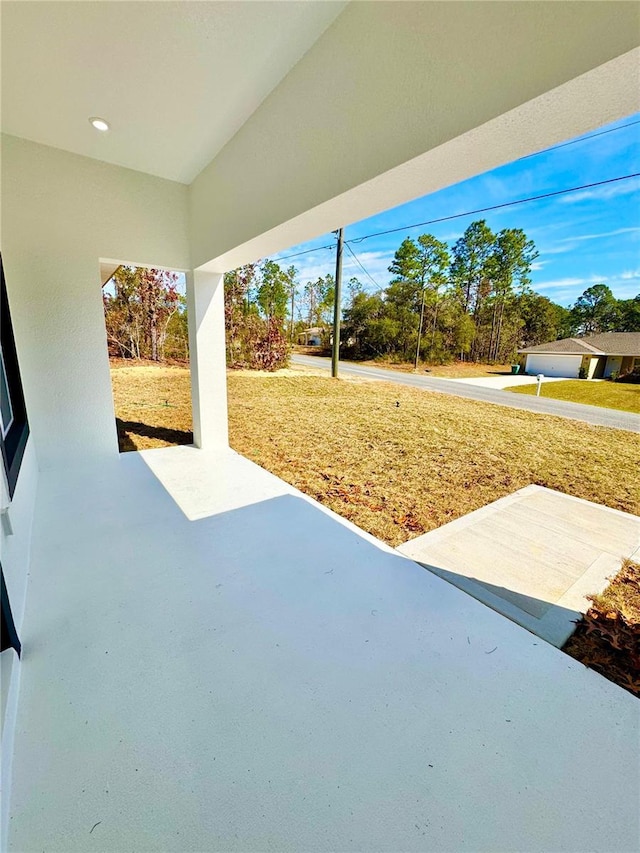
(61, 213)
(15, 549)
(15, 546)
(388, 82)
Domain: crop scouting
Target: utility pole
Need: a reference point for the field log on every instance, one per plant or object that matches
(415, 366)
(293, 293)
(335, 349)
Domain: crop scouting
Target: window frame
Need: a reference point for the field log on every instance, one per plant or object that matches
(9, 634)
(4, 383)
(13, 437)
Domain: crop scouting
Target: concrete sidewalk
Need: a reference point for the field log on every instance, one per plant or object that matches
(533, 556)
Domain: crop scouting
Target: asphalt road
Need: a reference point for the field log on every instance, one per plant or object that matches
(576, 411)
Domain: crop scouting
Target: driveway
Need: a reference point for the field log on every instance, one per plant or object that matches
(542, 405)
(507, 380)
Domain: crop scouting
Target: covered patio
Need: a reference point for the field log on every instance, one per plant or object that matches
(210, 660)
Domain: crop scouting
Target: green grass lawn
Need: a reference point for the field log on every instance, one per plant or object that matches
(611, 395)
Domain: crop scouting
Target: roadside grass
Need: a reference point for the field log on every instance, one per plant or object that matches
(396, 461)
(455, 370)
(610, 395)
(607, 638)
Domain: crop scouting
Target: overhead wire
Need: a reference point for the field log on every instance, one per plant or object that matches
(495, 207)
(490, 207)
(579, 139)
(307, 251)
(462, 214)
(360, 264)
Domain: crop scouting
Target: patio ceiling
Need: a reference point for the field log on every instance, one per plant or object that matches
(176, 80)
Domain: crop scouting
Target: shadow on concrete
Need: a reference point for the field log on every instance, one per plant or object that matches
(128, 429)
(548, 620)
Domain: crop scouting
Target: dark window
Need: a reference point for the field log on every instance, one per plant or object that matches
(14, 428)
(9, 634)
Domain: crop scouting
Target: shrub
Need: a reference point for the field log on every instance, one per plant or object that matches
(632, 378)
(257, 344)
(271, 350)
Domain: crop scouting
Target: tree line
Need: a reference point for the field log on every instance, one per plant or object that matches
(145, 315)
(472, 301)
(266, 309)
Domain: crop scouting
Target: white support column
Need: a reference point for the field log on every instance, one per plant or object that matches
(205, 305)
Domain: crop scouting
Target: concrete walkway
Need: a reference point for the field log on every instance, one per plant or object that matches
(575, 411)
(533, 556)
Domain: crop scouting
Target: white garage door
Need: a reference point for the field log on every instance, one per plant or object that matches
(555, 365)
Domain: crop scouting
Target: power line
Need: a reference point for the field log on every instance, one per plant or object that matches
(520, 201)
(472, 212)
(306, 252)
(575, 141)
(496, 207)
(357, 260)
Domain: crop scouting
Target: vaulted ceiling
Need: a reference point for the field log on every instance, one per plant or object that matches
(176, 80)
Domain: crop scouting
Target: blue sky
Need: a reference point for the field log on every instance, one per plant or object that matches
(583, 238)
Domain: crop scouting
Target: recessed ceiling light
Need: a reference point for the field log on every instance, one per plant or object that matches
(99, 124)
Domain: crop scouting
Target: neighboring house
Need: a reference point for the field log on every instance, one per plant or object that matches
(311, 337)
(593, 357)
(210, 660)
(314, 337)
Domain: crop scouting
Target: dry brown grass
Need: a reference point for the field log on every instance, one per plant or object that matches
(396, 461)
(622, 596)
(153, 405)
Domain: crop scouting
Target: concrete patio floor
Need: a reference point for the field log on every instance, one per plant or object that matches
(533, 556)
(214, 662)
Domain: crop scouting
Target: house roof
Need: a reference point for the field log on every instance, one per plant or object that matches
(606, 343)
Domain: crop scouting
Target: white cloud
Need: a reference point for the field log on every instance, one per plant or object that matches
(375, 263)
(569, 244)
(559, 249)
(602, 193)
(623, 285)
(562, 282)
(601, 235)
